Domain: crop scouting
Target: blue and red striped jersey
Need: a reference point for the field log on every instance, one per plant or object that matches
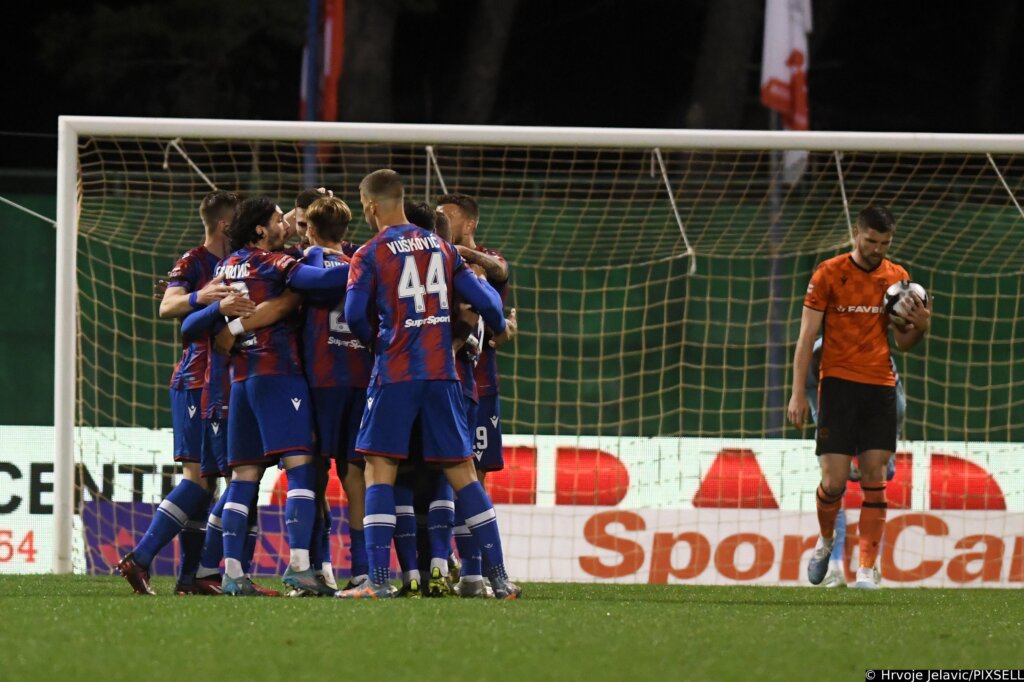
(464, 366)
(192, 272)
(273, 349)
(487, 368)
(408, 273)
(331, 353)
(216, 395)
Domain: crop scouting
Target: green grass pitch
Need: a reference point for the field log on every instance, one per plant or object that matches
(93, 628)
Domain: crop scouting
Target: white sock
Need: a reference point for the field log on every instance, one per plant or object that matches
(233, 569)
(327, 571)
(299, 560)
(441, 564)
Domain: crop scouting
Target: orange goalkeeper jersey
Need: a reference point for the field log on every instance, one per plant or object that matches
(856, 328)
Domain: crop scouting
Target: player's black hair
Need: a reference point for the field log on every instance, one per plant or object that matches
(420, 214)
(877, 218)
(330, 216)
(442, 226)
(251, 214)
(382, 184)
(215, 206)
(464, 201)
(307, 197)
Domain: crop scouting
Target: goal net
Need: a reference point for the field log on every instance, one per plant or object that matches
(658, 278)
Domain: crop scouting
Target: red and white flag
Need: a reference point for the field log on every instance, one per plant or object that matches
(330, 53)
(784, 66)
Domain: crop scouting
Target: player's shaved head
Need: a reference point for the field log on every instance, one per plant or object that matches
(877, 218)
(383, 186)
(217, 206)
(329, 217)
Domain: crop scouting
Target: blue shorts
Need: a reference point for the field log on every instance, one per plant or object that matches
(337, 411)
(392, 410)
(487, 437)
(270, 415)
(188, 424)
(215, 449)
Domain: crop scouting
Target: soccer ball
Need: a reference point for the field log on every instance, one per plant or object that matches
(897, 299)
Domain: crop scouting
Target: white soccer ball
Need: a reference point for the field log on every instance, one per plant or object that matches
(897, 299)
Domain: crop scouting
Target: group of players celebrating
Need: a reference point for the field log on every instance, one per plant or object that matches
(380, 358)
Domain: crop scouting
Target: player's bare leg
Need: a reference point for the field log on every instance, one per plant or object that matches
(478, 512)
(828, 498)
(873, 465)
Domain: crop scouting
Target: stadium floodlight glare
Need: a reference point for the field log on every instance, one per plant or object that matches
(658, 276)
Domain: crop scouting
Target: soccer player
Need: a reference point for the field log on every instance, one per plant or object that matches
(411, 275)
(214, 402)
(835, 576)
(338, 369)
(857, 395)
(270, 407)
(190, 285)
(432, 495)
(296, 223)
(463, 215)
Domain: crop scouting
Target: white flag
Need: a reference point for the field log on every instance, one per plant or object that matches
(784, 66)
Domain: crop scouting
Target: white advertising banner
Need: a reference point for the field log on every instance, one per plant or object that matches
(753, 547)
(711, 511)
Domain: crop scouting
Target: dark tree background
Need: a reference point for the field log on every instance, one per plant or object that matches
(942, 66)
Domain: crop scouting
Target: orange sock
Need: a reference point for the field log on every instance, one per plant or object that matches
(872, 523)
(828, 509)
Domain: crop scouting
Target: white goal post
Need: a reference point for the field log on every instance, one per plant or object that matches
(73, 129)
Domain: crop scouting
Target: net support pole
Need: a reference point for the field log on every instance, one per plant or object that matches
(776, 310)
(65, 334)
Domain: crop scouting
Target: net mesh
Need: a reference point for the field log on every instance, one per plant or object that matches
(619, 339)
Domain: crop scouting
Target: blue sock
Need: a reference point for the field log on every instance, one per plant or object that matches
(213, 547)
(252, 538)
(440, 521)
(192, 537)
(170, 517)
(360, 565)
(379, 527)
(478, 512)
(469, 551)
(325, 540)
(405, 532)
(316, 546)
(840, 542)
(241, 497)
(300, 514)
